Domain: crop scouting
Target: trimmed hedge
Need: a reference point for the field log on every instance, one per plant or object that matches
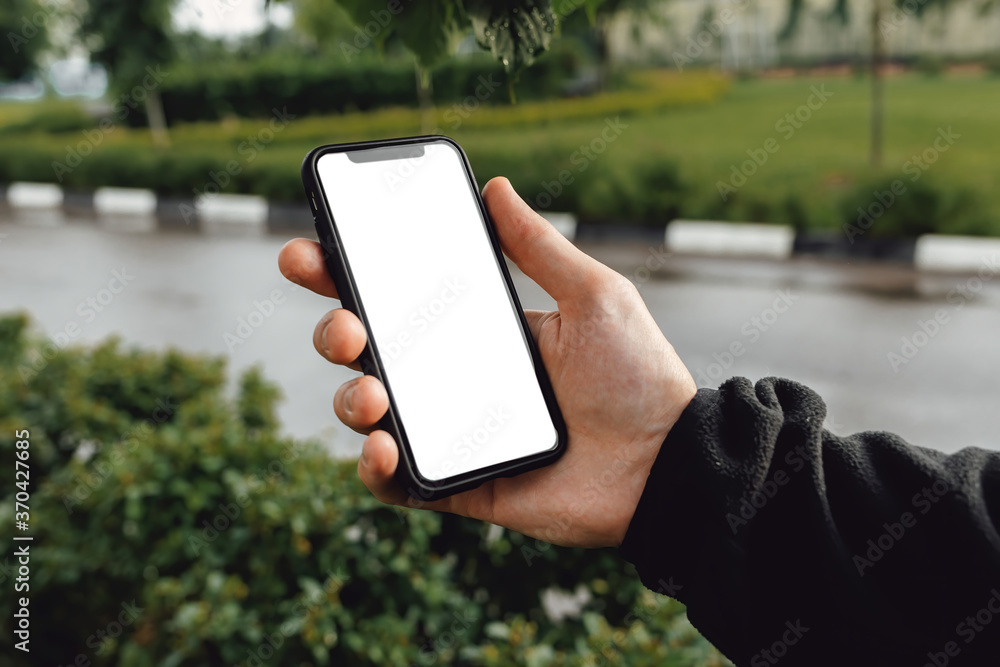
(174, 525)
(323, 85)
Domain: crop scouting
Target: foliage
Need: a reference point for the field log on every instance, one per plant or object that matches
(884, 207)
(127, 36)
(251, 88)
(24, 25)
(124, 158)
(173, 525)
(514, 31)
(675, 118)
(52, 118)
(652, 192)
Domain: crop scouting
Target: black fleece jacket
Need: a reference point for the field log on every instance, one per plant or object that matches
(793, 546)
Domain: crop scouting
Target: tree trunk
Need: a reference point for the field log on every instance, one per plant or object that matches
(157, 120)
(602, 30)
(878, 85)
(425, 99)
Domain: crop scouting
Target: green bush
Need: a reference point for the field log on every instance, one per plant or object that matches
(173, 525)
(251, 88)
(885, 207)
(53, 118)
(651, 192)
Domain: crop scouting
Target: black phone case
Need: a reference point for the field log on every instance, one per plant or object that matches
(418, 487)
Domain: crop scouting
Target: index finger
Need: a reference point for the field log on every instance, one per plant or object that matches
(301, 261)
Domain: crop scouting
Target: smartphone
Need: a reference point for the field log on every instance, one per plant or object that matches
(413, 253)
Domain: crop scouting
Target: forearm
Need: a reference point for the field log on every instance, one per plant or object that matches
(784, 538)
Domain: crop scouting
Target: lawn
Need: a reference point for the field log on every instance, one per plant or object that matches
(677, 139)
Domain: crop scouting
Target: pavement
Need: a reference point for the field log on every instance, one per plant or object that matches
(887, 346)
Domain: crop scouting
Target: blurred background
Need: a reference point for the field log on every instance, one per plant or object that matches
(801, 188)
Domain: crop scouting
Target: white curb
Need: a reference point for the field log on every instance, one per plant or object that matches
(703, 237)
(565, 223)
(124, 201)
(247, 210)
(34, 195)
(955, 253)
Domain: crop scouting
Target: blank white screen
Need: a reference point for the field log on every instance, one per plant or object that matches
(455, 358)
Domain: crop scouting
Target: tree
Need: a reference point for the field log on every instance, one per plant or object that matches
(514, 31)
(133, 40)
(600, 14)
(24, 25)
(881, 25)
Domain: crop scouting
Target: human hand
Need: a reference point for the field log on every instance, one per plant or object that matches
(619, 384)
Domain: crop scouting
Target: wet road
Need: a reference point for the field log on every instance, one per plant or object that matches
(886, 347)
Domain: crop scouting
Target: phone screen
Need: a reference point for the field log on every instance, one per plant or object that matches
(454, 354)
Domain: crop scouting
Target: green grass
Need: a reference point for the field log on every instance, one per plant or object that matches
(810, 181)
(822, 162)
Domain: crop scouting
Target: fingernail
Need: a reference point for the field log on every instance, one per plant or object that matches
(349, 399)
(364, 455)
(324, 340)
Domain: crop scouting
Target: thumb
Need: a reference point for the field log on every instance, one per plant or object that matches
(536, 247)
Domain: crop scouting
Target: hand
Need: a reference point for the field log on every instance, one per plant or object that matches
(619, 384)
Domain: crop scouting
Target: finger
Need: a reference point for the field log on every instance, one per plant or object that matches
(377, 465)
(536, 247)
(535, 320)
(301, 261)
(340, 337)
(360, 403)
(377, 469)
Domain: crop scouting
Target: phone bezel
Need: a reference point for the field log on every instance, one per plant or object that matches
(418, 487)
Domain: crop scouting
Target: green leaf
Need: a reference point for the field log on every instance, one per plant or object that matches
(430, 29)
(515, 33)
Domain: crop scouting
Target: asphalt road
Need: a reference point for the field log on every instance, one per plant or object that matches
(833, 326)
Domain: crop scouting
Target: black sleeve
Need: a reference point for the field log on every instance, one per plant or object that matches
(793, 546)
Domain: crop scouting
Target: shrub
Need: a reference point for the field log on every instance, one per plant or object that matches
(250, 88)
(173, 525)
(884, 207)
(651, 192)
(51, 117)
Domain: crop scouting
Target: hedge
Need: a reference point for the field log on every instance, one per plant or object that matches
(174, 525)
(324, 84)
